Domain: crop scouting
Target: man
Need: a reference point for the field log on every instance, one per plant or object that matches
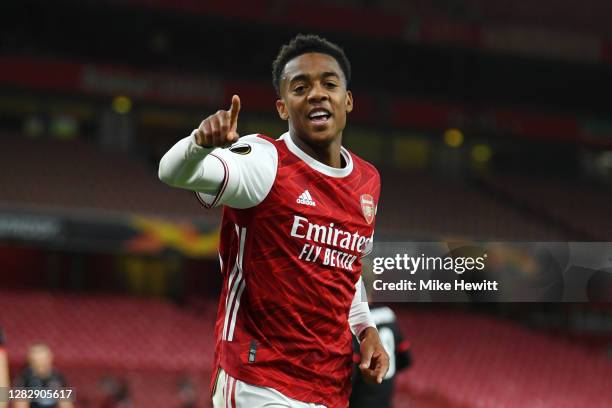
(365, 395)
(298, 215)
(41, 375)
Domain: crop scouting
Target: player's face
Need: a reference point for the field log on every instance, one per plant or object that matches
(314, 98)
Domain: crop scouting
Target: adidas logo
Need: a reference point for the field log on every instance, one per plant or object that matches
(306, 199)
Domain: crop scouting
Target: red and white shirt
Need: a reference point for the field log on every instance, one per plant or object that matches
(292, 237)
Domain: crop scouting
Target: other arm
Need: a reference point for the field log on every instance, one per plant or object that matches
(374, 359)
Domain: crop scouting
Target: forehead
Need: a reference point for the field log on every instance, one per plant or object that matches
(311, 64)
(40, 352)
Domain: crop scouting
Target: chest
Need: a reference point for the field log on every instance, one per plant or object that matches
(346, 203)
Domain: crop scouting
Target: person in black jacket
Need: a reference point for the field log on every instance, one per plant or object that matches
(366, 395)
(40, 374)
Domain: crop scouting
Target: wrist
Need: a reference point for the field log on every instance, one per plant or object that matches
(199, 143)
(367, 332)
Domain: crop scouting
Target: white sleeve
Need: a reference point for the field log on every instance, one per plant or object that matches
(249, 167)
(369, 246)
(187, 165)
(240, 176)
(359, 315)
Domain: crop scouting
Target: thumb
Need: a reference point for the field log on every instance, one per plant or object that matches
(234, 110)
(366, 358)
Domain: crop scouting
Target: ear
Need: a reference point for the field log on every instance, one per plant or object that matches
(281, 107)
(349, 101)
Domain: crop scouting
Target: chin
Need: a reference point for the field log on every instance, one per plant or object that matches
(321, 137)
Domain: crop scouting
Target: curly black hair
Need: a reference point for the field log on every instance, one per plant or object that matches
(305, 43)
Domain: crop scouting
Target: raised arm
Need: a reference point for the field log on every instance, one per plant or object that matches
(240, 176)
(187, 165)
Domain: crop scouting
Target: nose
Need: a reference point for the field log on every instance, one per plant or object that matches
(317, 94)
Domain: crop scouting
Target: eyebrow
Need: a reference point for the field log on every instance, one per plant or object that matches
(303, 77)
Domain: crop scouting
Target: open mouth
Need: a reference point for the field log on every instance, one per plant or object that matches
(319, 115)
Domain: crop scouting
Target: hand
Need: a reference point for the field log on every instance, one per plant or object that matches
(374, 358)
(219, 130)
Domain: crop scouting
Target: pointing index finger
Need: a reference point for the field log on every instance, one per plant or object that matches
(234, 110)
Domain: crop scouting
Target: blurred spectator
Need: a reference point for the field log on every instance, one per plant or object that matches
(116, 393)
(187, 393)
(40, 374)
(116, 131)
(367, 395)
(4, 372)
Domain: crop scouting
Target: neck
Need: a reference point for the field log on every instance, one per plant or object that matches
(328, 154)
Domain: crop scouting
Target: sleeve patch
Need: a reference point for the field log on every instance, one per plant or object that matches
(240, 148)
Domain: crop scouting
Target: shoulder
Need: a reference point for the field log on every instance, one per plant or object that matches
(364, 165)
(367, 173)
(250, 167)
(261, 137)
(58, 378)
(248, 148)
(257, 138)
(24, 377)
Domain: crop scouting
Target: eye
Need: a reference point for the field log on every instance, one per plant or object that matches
(330, 85)
(299, 89)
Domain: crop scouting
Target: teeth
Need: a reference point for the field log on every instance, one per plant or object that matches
(318, 114)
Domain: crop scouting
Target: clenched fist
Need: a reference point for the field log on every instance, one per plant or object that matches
(219, 130)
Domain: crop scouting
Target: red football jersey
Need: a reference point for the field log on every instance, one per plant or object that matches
(290, 265)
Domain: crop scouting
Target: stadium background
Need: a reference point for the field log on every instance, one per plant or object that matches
(489, 120)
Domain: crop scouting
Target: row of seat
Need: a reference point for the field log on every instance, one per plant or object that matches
(77, 175)
(460, 359)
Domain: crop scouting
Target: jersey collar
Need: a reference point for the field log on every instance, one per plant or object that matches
(317, 165)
